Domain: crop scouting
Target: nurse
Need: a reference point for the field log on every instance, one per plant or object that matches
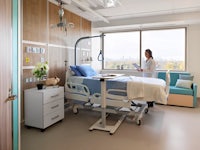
(149, 68)
(150, 65)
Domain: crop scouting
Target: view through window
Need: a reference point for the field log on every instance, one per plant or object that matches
(122, 49)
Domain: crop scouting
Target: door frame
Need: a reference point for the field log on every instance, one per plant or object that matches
(16, 67)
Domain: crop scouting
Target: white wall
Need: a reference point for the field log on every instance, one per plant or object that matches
(96, 46)
(193, 53)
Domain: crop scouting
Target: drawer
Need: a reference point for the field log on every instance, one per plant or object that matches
(53, 106)
(53, 117)
(53, 94)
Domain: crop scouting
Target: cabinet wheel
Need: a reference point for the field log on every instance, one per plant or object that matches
(42, 130)
(28, 127)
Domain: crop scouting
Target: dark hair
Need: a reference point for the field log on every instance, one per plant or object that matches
(149, 52)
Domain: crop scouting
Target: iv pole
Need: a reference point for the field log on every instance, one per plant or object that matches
(82, 38)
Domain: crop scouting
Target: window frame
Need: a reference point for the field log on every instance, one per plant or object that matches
(140, 47)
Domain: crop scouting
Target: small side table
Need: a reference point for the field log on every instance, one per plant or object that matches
(43, 107)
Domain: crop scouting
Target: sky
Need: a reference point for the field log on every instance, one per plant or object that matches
(165, 44)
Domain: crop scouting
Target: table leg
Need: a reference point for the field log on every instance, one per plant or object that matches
(103, 102)
(101, 123)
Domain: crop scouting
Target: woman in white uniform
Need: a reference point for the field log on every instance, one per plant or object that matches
(150, 65)
(149, 68)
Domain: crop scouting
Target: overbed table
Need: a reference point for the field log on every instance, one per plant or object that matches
(101, 123)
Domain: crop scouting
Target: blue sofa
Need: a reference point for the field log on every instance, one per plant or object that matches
(177, 95)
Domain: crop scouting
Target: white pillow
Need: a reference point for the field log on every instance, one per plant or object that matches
(184, 83)
(186, 77)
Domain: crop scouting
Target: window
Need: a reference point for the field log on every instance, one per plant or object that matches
(168, 47)
(122, 49)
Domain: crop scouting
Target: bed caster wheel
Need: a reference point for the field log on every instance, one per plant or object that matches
(111, 133)
(138, 122)
(28, 127)
(75, 110)
(146, 110)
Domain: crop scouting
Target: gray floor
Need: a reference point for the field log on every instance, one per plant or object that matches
(163, 128)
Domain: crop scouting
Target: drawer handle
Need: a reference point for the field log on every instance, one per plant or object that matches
(55, 117)
(54, 106)
(54, 95)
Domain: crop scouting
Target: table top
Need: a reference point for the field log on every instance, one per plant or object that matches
(107, 76)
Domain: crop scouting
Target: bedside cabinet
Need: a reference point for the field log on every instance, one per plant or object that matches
(43, 107)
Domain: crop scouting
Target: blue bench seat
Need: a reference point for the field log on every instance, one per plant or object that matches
(179, 96)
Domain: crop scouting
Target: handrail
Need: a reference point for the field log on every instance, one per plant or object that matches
(82, 38)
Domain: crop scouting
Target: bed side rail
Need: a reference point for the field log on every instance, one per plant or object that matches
(74, 91)
(77, 88)
(116, 94)
(114, 97)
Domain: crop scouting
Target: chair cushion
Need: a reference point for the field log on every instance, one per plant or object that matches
(178, 90)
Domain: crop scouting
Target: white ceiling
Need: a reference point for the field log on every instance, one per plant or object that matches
(130, 12)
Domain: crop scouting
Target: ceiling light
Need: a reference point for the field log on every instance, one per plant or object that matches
(110, 3)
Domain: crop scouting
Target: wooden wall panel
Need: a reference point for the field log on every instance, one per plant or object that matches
(86, 27)
(56, 35)
(27, 74)
(57, 56)
(86, 31)
(32, 58)
(35, 20)
(38, 27)
(73, 33)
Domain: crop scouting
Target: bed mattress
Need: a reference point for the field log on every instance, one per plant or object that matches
(140, 88)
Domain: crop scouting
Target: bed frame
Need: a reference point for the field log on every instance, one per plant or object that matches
(80, 97)
(116, 104)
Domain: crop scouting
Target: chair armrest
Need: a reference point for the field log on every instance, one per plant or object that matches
(194, 87)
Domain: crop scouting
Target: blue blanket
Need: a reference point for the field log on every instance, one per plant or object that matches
(94, 85)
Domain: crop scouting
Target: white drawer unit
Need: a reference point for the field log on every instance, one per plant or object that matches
(43, 107)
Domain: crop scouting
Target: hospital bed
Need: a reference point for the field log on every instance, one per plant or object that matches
(125, 95)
